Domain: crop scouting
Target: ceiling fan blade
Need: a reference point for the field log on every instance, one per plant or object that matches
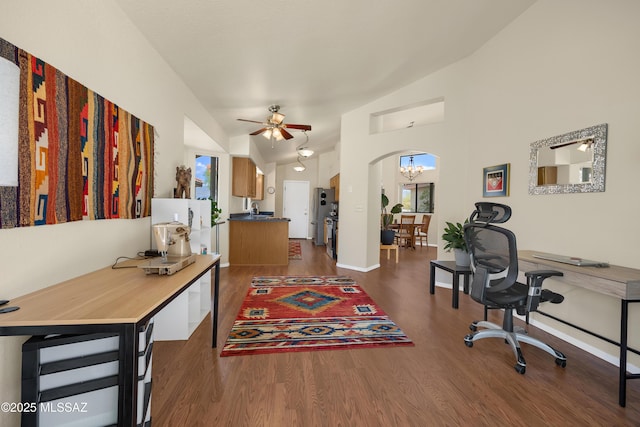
(251, 121)
(285, 134)
(258, 132)
(299, 127)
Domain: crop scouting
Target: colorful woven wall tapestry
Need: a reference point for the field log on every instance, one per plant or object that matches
(81, 157)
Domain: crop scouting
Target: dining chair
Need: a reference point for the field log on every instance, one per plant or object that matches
(406, 231)
(423, 230)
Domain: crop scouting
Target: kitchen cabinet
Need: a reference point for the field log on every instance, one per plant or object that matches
(259, 187)
(547, 175)
(334, 183)
(179, 319)
(259, 242)
(243, 182)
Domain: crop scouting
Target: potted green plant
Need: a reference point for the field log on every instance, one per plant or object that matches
(386, 234)
(215, 212)
(454, 236)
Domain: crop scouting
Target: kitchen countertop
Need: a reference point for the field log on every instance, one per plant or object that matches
(262, 218)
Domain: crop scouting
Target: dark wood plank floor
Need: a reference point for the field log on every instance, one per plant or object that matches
(438, 382)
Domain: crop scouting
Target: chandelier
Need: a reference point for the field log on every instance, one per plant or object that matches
(411, 170)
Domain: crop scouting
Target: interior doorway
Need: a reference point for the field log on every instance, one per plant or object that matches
(295, 206)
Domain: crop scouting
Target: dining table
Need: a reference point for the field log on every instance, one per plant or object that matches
(411, 242)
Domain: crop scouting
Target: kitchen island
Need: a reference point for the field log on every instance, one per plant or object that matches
(258, 240)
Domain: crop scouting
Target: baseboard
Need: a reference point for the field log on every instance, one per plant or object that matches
(364, 270)
(445, 285)
(600, 354)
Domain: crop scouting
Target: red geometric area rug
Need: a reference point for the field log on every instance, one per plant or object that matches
(295, 251)
(306, 313)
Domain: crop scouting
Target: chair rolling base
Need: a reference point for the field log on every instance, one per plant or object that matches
(514, 339)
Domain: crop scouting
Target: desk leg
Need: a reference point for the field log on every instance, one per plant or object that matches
(128, 376)
(455, 290)
(622, 385)
(214, 305)
(432, 279)
(466, 284)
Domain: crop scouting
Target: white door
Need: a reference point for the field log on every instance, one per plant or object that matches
(296, 207)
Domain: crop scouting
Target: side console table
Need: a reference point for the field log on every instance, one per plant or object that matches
(456, 271)
(622, 283)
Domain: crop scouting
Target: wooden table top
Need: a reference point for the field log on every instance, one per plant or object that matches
(621, 282)
(105, 296)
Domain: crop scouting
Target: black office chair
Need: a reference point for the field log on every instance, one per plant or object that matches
(494, 261)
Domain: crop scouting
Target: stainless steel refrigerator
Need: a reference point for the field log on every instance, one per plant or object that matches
(323, 198)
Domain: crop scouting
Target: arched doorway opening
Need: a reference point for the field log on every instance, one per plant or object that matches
(417, 194)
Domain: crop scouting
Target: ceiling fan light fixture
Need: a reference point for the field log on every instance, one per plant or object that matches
(586, 144)
(274, 129)
(277, 134)
(277, 118)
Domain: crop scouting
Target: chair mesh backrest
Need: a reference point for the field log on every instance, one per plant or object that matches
(493, 250)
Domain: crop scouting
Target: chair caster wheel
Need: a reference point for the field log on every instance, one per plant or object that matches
(561, 362)
(468, 341)
(473, 327)
(520, 369)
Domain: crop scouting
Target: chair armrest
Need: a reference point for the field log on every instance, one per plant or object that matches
(534, 281)
(543, 273)
(536, 277)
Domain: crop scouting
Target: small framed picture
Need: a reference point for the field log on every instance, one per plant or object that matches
(496, 181)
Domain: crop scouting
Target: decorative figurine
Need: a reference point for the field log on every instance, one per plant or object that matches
(183, 178)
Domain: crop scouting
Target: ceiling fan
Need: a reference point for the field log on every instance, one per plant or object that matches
(274, 128)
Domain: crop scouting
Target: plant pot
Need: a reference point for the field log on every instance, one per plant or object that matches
(462, 258)
(387, 237)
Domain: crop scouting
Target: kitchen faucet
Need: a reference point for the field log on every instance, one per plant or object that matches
(255, 208)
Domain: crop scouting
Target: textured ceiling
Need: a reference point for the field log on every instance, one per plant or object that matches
(317, 59)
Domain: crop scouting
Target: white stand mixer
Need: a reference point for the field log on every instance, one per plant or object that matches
(172, 240)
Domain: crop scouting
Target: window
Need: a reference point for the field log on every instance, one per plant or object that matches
(206, 177)
(427, 161)
(417, 197)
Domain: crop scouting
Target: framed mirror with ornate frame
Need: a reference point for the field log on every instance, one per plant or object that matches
(570, 163)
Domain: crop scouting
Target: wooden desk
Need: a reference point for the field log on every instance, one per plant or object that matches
(456, 271)
(109, 300)
(619, 282)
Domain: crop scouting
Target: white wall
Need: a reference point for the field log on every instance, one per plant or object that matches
(328, 166)
(94, 43)
(561, 66)
(360, 180)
